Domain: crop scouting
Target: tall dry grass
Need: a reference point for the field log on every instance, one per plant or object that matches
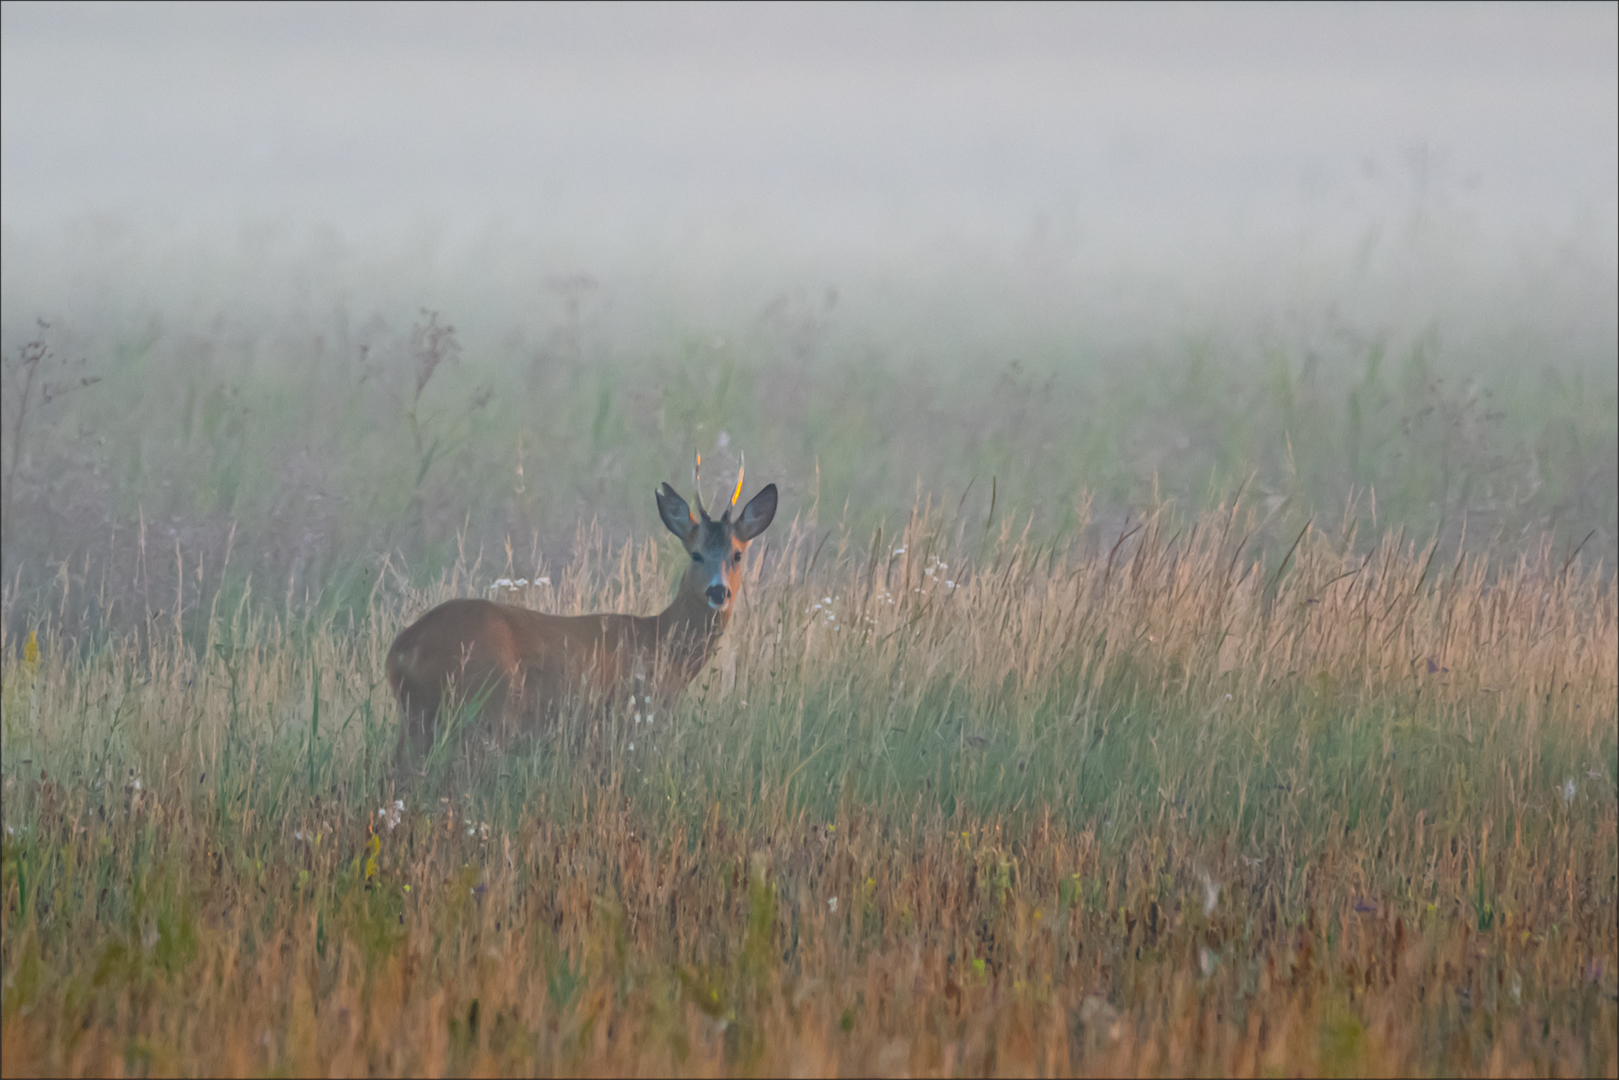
(944, 803)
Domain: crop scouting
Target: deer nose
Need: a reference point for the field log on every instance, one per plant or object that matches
(718, 595)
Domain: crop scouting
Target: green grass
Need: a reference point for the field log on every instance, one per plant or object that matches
(997, 808)
(1118, 692)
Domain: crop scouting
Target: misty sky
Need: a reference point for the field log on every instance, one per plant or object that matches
(1135, 125)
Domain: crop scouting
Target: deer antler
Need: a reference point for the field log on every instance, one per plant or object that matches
(697, 485)
(736, 494)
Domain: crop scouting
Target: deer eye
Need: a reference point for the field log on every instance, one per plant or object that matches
(697, 556)
(736, 557)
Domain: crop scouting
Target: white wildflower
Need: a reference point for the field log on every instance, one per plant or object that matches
(1568, 790)
(833, 904)
(390, 815)
(1211, 893)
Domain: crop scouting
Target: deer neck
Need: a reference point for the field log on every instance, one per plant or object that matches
(689, 630)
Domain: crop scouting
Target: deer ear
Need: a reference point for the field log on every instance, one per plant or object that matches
(757, 515)
(675, 513)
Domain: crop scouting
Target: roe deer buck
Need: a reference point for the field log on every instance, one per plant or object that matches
(523, 664)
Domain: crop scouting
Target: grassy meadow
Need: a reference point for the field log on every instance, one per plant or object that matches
(948, 802)
(1130, 684)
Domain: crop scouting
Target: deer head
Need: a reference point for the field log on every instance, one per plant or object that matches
(715, 547)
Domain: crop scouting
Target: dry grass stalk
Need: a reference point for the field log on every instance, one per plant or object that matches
(934, 811)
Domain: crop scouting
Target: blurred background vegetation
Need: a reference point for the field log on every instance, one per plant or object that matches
(279, 409)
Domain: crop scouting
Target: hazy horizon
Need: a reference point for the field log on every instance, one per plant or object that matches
(1115, 128)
